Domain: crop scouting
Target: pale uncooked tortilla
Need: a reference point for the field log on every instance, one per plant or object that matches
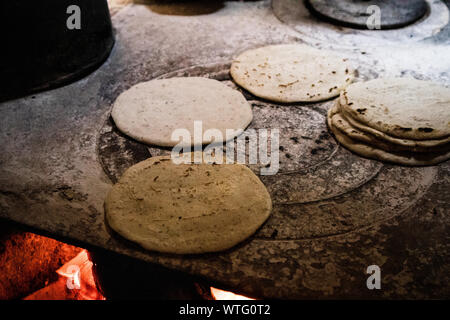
(291, 73)
(404, 108)
(150, 111)
(187, 208)
(340, 122)
(405, 158)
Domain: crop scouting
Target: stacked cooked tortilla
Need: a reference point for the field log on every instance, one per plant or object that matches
(399, 120)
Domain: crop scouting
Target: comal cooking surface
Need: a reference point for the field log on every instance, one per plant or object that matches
(334, 213)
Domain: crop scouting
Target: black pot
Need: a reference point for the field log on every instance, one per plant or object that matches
(43, 47)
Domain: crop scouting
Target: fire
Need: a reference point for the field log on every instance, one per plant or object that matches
(76, 282)
(227, 295)
(78, 275)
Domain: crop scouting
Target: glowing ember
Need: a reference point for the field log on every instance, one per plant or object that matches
(227, 295)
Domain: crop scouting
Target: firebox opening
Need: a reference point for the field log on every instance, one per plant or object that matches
(35, 267)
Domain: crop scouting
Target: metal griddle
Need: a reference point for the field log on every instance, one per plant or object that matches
(335, 213)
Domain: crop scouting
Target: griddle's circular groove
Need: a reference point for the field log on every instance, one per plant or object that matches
(327, 192)
(320, 197)
(218, 71)
(118, 152)
(378, 200)
(353, 14)
(341, 234)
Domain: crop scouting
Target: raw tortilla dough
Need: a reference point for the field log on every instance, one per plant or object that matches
(150, 111)
(291, 73)
(187, 208)
(404, 108)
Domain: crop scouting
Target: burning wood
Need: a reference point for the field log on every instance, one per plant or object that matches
(76, 282)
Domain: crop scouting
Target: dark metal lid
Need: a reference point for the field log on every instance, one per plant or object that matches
(50, 43)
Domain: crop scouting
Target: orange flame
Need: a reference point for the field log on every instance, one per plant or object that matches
(78, 274)
(227, 295)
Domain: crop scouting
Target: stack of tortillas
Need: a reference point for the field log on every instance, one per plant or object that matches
(187, 208)
(399, 120)
(292, 73)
